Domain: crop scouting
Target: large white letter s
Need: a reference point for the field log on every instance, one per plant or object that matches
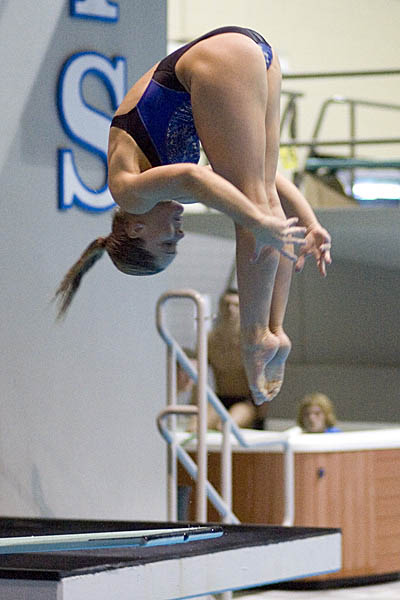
(86, 125)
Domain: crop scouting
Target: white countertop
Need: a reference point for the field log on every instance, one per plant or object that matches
(273, 441)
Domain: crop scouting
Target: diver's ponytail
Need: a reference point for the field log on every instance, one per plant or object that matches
(128, 254)
(69, 285)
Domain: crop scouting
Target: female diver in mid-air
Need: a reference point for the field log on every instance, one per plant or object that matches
(224, 90)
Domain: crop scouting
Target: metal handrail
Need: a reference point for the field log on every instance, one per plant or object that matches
(352, 103)
(223, 507)
(327, 74)
(352, 141)
(289, 112)
(205, 394)
(344, 142)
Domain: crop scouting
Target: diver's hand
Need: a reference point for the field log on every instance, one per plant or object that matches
(278, 233)
(317, 244)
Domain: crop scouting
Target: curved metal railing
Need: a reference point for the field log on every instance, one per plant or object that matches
(166, 422)
(352, 141)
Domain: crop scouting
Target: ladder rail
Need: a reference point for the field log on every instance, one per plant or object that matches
(188, 463)
(175, 354)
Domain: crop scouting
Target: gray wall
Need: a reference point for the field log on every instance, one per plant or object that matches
(79, 399)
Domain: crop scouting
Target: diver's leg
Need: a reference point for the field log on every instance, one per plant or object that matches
(275, 368)
(236, 110)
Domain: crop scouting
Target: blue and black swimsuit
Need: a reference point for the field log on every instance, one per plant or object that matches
(162, 122)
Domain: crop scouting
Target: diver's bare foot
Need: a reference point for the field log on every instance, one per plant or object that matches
(259, 348)
(275, 369)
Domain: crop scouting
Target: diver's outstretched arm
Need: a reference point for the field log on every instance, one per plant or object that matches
(187, 183)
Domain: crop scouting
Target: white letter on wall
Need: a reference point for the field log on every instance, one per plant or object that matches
(85, 125)
(104, 10)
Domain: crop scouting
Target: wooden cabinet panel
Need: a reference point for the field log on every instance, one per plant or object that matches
(358, 491)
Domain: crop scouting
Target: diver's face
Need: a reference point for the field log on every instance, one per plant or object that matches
(160, 229)
(314, 419)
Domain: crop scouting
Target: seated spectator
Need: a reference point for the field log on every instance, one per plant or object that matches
(316, 414)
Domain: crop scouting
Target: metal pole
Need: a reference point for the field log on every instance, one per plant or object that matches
(172, 482)
(364, 142)
(324, 74)
(201, 493)
(289, 485)
(352, 137)
(226, 468)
